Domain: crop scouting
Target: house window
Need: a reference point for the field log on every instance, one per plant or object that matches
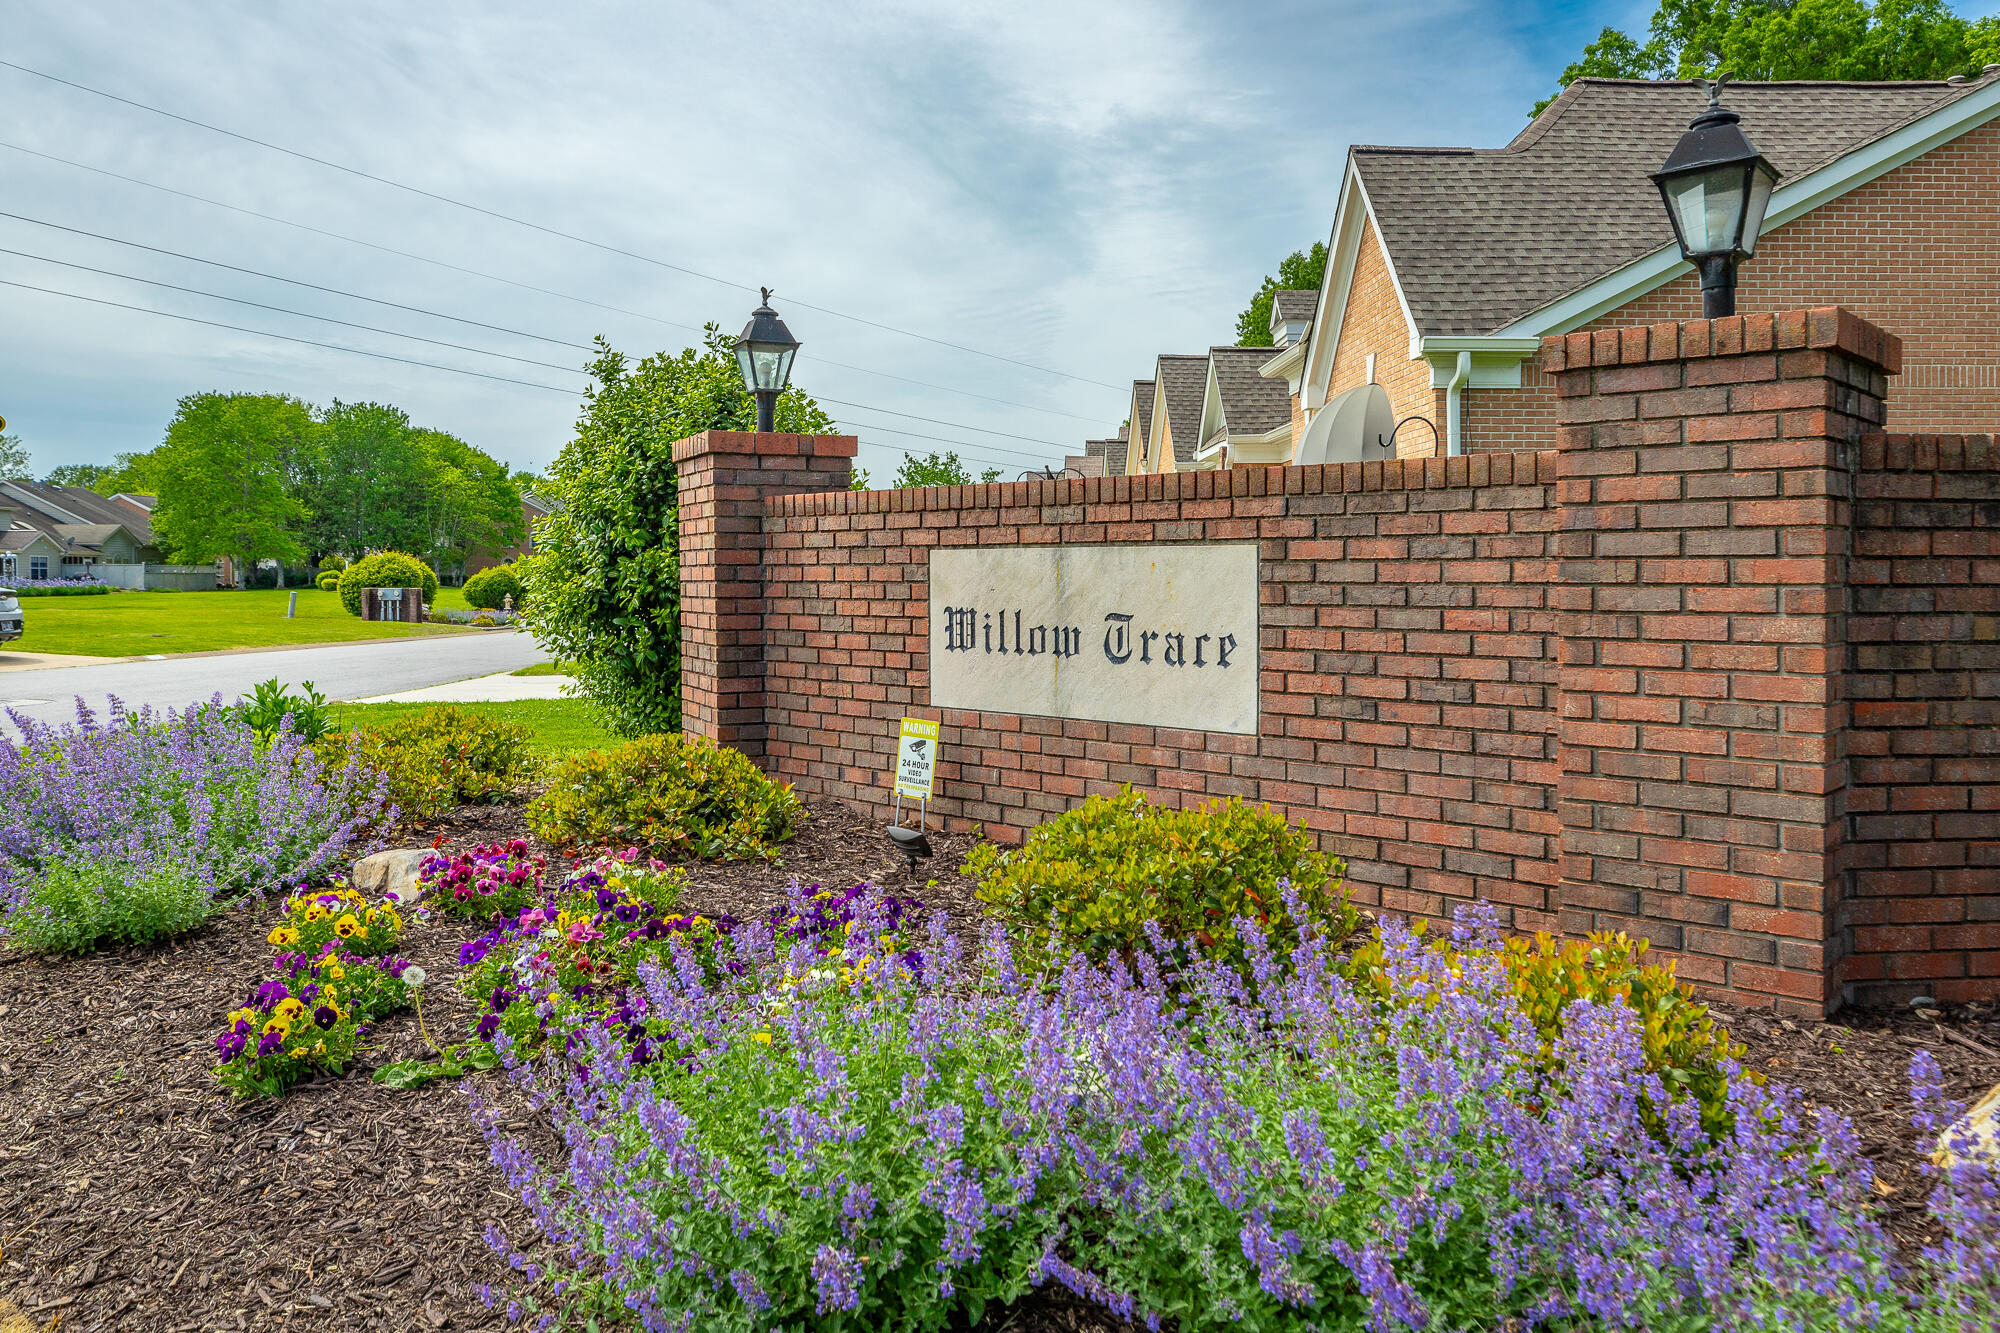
(38, 566)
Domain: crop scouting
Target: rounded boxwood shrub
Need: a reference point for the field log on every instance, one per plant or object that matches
(329, 581)
(435, 759)
(385, 569)
(671, 795)
(489, 588)
(332, 564)
(1088, 881)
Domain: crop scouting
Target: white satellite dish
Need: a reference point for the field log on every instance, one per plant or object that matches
(1353, 428)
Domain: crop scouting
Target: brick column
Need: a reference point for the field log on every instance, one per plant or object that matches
(1705, 479)
(724, 477)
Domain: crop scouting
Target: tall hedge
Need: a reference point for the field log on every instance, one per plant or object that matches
(385, 569)
(603, 582)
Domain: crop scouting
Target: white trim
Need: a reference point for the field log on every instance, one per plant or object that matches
(1344, 255)
(1789, 201)
(1496, 362)
(1285, 364)
(1454, 438)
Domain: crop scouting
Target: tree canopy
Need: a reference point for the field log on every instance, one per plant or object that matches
(77, 474)
(604, 578)
(938, 469)
(13, 459)
(1301, 269)
(1794, 39)
(222, 478)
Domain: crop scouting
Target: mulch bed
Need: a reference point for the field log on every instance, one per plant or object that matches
(136, 1194)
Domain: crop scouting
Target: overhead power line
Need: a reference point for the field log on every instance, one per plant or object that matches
(965, 445)
(297, 282)
(495, 214)
(513, 282)
(286, 337)
(394, 305)
(284, 310)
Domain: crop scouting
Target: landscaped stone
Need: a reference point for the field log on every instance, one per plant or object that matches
(1978, 1132)
(392, 874)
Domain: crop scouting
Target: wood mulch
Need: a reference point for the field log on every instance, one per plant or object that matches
(136, 1194)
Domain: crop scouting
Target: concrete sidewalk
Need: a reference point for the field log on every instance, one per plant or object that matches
(501, 687)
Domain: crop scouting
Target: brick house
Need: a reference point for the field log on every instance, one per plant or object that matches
(1180, 381)
(1448, 266)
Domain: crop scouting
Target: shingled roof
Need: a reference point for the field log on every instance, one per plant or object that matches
(1183, 381)
(1251, 404)
(1290, 303)
(1142, 424)
(1481, 237)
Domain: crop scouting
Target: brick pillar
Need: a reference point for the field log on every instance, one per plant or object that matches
(724, 477)
(1705, 480)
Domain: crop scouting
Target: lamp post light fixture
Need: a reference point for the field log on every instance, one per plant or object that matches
(764, 352)
(1716, 186)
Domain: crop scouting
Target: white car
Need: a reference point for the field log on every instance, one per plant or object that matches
(11, 624)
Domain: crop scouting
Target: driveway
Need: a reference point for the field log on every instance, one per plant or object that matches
(340, 671)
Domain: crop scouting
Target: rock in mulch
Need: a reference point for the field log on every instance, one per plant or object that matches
(393, 874)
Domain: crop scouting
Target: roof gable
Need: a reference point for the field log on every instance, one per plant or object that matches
(1480, 237)
(1142, 422)
(1237, 397)
(1183, 379)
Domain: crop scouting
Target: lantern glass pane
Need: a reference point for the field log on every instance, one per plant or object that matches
(1708, 206)
(743, 366)
(770, 364)
(1761, 183)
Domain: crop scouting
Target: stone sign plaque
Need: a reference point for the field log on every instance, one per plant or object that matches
(1162, 636)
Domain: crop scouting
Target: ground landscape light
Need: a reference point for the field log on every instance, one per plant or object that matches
(1716, 186)
(764, 352)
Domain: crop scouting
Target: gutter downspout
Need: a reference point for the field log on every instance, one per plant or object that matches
(1454, 443)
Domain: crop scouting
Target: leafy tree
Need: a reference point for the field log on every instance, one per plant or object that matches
(468, 501)
(77, 474)
(938, 469)
(126, 476)
(222, 479)
(1795, 39)
(857, 479)
(363, 481)
(1301, 269)
(14, 459)
(603, 583)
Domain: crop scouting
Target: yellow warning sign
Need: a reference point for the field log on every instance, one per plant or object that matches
(916, 758)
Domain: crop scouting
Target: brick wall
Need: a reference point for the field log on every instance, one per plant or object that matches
(1405, 646)
(1619, 684)
(1373, 322)
(1925, 749)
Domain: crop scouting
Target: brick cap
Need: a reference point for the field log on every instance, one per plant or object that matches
(773, 443)
(1829, 327)
(1253, 482)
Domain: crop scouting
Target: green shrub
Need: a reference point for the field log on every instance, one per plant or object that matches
(1102, 871)
(1683, 1045)
(436, 759)
(385, 569)
(329, 581)
(332, 564)
(670, 795)
(72, 906)
(489, 588)
(270, 703)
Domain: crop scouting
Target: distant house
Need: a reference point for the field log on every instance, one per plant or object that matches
(69, 532)
(533, 511)
(1179, 382)
(1449, 265)
(1245, 418)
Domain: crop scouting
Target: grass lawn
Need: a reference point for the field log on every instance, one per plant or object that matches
(543, 669)
(557, 727)
(132, 624)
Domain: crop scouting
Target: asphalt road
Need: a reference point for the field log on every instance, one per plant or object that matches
(339, 671)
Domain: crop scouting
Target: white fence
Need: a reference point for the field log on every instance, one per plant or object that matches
(188, 578)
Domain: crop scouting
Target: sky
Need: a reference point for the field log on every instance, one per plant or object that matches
(1060, 190)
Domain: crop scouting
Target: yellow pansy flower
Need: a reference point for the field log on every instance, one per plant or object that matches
(279, 1026)
(763, 1037)
(346, 926)
(335, 972)
(283, 935)
(315, 912)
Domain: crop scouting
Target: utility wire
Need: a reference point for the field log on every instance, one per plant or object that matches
(398, 305)
(961, 444)
(284, 310)
(296, 282)
(536, 226)
(286, 337)
(512, 282)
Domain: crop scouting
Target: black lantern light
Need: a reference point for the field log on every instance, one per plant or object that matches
(1716, 186)
(764, 352)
